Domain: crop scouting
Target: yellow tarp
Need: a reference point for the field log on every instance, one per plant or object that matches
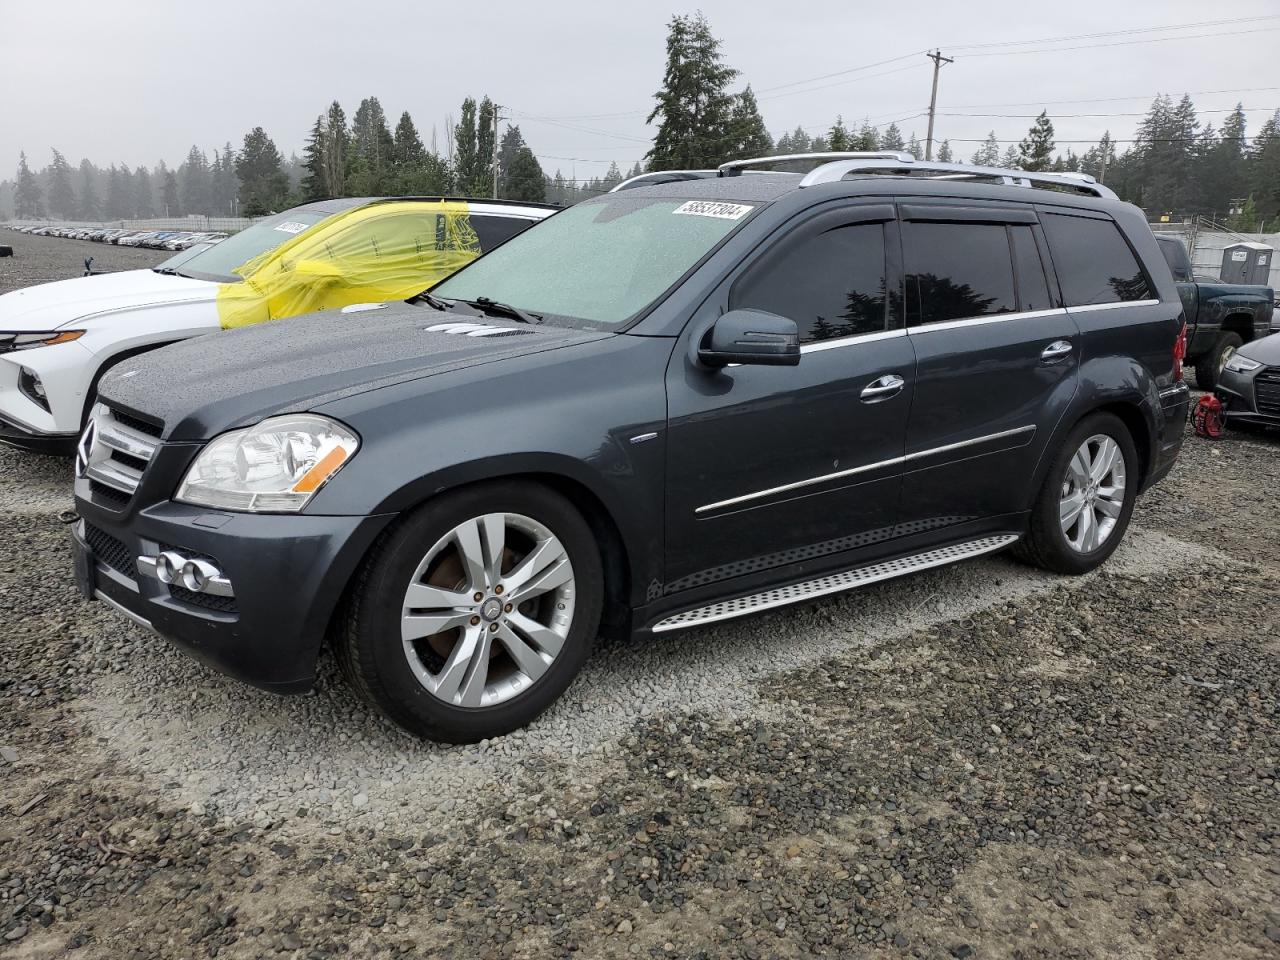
(385, 251)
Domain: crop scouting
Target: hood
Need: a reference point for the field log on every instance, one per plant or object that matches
(1266, 350)
(48, 306)
(204, 386)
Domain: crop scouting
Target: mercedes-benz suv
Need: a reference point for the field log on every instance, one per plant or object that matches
(678, 403)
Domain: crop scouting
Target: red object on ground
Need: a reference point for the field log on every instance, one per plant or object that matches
(1207, 417)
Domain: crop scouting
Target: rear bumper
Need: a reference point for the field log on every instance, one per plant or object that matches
(1175, 402)
(288, 574)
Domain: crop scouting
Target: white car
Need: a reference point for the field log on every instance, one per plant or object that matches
(57, 339)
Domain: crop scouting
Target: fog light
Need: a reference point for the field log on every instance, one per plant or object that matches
(32, 388)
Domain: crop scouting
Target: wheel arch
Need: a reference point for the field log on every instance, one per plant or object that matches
(1241, 324)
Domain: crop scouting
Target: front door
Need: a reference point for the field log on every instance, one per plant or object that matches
(997, 360)
(771, 467)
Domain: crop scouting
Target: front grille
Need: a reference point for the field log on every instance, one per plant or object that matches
(108, 495)
(116, 449)
(1266, 391)
(109, 550)
(207, 601)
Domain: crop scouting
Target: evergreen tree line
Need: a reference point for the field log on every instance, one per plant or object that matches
(1174, 165)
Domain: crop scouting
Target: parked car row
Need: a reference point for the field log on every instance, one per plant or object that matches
(703, 395)
(154, 239)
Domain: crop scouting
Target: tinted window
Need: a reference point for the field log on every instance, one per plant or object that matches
(831, 284)
(956, 271)
(1033, 290)
(1093, 262)
(1175, 254)
(495, 230)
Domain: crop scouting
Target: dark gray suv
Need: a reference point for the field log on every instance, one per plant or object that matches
(678, 403)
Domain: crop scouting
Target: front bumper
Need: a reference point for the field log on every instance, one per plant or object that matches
(14, 434)
(288, 574)
(1252, 397)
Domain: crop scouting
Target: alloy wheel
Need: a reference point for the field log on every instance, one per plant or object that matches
(488, 610)
(1093, 493)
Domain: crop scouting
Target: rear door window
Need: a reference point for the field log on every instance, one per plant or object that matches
(1093, 261)
(957, 271)
(832, 284)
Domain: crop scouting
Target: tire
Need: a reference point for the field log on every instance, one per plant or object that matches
(1209, 367)
(425, 682)
(1047, 544)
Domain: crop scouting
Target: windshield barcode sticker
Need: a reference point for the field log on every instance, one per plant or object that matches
(721, 211)
(291, 226)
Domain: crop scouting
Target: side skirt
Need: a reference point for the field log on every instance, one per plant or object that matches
(832, 583)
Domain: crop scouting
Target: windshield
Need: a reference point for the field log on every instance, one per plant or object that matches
(603, 260)
(219, 261)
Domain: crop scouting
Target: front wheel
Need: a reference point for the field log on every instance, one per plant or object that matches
(474, 613)
(1083, 508)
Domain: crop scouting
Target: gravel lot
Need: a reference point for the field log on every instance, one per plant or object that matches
(979, 761)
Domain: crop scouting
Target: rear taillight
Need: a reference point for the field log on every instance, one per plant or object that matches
(1179, 353)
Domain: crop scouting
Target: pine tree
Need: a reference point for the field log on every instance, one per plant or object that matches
(195, 181)
(87, 207)
(891, 139)
(868, 138)
(1264, 169)
(988, 155)
(313, 178)
(694, 109)
(482, 180)
(944, 152)
(27, 194)
(1012, 158)
(465, 155)
(1035, 152)
(172, 200)
(264, 187)
(226, 182)
(838, 136)
(520, 175)
(749, 136)
(144, 194)
(370, 174)
(914, 147)
(62, 196)
(336, 145)
(407, 151)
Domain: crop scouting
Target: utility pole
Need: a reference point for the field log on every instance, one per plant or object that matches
(496, 108)
(938, 60)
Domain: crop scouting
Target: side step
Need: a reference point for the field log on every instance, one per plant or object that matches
(832, 583)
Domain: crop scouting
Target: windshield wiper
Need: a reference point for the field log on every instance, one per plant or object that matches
(485, 305)
(167, 271)
(431, 301)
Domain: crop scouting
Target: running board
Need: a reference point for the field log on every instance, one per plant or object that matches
(832, 583)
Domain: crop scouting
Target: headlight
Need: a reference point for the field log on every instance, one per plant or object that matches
(275, 467)
(1239, 364)
(9, 342)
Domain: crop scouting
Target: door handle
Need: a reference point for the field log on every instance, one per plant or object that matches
(882, 388)
(1058, 350)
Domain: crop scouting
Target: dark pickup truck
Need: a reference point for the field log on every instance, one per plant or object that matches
(1221, 317)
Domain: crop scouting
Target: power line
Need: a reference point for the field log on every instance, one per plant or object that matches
(1077, 116)
(1115, 33)
(1119, 43)
(1140, 96)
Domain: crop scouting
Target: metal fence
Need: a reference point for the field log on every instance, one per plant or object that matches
(193, 223)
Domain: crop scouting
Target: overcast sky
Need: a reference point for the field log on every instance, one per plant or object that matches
(137, 87)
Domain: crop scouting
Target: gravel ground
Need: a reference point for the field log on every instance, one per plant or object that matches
(40, 259)
(979, 761)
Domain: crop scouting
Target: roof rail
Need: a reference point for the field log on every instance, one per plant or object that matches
(907, 164)
(734, 167)
(664, 176)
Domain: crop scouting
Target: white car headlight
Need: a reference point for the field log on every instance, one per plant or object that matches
(1239, 364)
(275, 467)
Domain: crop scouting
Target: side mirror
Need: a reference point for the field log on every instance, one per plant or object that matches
(751, 337)
(318, 270)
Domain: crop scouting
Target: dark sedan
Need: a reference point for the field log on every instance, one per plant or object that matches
(1250, 384)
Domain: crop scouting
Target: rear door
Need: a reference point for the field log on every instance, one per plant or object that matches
(996, 361)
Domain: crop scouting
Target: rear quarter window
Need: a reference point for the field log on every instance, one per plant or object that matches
(493, 231)
(1093, 261)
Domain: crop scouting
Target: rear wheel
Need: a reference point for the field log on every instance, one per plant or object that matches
(475, 613)
(1083, 508)
(1209, 367)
